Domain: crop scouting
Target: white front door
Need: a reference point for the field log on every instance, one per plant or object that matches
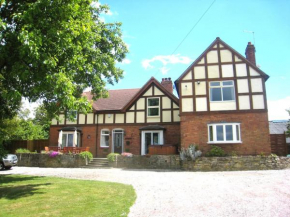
(154, 137)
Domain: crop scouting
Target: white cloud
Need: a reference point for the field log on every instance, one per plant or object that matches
(126, 61)
(165, 60)
(277, 109)
(164, 70)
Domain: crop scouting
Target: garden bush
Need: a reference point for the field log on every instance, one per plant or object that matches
(22, 150)
(86, 154)
(112, 156)
(216, 151)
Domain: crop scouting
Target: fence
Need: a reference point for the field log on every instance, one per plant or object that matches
(31, 145)
(278, 144)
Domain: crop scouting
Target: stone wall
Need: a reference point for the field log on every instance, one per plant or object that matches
(44, 160)
(203, 163)
(148, 162)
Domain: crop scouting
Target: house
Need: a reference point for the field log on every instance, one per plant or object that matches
(222, 101)
(280, 144)
(129, 120)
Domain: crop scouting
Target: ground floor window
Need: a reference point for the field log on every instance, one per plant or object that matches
(68, 139)
(105, 137)
(224, 133)
(151, 138)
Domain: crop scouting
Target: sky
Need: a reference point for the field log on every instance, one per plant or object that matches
(153, 29)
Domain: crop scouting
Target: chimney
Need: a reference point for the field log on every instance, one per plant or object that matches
(167, 83)
(250, 53)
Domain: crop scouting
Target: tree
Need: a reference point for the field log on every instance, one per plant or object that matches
(288, 126)
(54, 49)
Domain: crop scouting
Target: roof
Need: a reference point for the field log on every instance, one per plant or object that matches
(278, 127)
(218, 40)
(152, 81)
(116, 100)
(124, 98)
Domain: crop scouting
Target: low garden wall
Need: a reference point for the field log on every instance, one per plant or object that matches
(45, 160)
(147, 162)
(202, 163)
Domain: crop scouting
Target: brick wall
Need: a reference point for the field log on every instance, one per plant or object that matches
(254, 131)
(132, 136)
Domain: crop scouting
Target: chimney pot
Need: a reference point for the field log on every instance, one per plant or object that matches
(167, 84)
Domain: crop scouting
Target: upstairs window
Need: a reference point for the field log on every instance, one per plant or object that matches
(72, 115)
(224, 133)
(222, 91)
(153, 106)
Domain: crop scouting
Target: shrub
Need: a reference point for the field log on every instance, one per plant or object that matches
(53, 154)
(22, 150)
(86, 154)
(112, 156)
(190, 152)
(127, 154)
(216, 151)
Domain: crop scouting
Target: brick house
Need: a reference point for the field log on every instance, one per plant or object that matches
(222, 101)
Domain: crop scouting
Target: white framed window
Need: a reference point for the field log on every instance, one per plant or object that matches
(222, 91)
(224, 133)
(152, 137)
(105, 137)
(68, 138)
(153, 107)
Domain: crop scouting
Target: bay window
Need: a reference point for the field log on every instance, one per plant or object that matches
(224, 133)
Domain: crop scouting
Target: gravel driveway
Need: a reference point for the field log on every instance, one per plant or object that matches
(175, 193)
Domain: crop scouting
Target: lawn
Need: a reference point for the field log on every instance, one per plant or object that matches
(49, 196)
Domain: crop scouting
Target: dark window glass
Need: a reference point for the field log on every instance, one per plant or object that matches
(228, 93)
(215, 94)
(153, 102)
(210, 133)
(220, 132)
(229, 133)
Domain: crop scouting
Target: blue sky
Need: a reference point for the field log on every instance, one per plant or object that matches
(153, 30)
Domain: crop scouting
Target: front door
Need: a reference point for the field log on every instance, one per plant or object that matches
(118, 138)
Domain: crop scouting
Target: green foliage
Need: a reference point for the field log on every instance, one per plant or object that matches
(21, 127)
(233, 154)
(3, 151)
(273, 155)
(112, 157)
(86, 154)
(216, 151)
(22, 150)
(262, 154)
(53, 50)
(191, 152)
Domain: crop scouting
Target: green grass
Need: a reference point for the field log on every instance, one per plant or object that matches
(49, 196)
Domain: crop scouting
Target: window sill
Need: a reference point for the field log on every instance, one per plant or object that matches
(225, 142)
(153, 116)
(222, 101)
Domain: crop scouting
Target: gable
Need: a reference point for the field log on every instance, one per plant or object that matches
(220, 60)
(201, 86)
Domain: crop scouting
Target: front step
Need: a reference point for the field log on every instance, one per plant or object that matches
(98, 163)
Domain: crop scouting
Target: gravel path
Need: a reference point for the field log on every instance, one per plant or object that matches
(175, 193)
